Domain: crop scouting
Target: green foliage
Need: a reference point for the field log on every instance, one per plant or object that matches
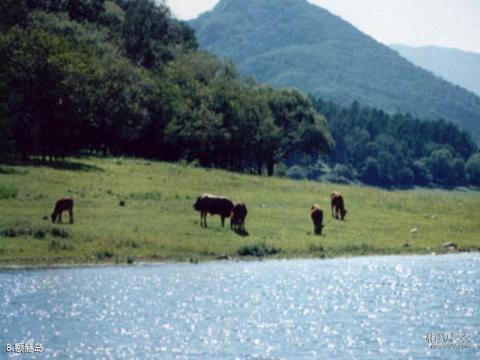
(152, 37)
(39, 234)
(472, 169)
(69, 84)
(103, 255)
(258, 250)
(36, 64)
(304, 46)
(222, 120)
(297, 172)
(8, 192)
(343, 174)
(394, 150)
(58, 232)
(12, 12)
(85, 10)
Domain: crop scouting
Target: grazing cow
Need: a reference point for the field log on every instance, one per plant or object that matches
(317, 217)
(65, 204)
(237, 219)
(214, 205)
(338, 205)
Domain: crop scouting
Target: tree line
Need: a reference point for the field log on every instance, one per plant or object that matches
(126, 78)
(398, 150)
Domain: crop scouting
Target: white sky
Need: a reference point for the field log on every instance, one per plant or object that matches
(449, 23)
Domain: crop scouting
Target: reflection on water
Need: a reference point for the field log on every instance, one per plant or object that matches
(360, 308)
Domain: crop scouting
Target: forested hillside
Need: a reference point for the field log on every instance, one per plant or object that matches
(457, 66)
(294, 43)
(379, 149)
(126, 78)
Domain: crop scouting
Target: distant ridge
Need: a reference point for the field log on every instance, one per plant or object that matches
(457, 66)
(296, 44)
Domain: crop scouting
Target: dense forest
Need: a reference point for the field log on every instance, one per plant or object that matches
(297, 44)
(126, 78)
(399, 150)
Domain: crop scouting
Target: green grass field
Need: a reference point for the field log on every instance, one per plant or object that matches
(157, 221)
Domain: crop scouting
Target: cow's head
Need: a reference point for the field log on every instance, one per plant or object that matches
(196, 206)
(343, 213)
(53, 217)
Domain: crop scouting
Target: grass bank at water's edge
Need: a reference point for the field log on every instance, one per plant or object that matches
(132, 209)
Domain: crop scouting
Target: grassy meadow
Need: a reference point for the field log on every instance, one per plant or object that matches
(129, 210)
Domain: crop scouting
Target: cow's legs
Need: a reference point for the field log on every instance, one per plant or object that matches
(205, 219)
(70, 215)
(59, 218)
(223, 221)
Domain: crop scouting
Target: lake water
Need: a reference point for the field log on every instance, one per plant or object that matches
(358, 308)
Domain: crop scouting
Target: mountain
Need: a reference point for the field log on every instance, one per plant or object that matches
(457, 66)
(296, 44)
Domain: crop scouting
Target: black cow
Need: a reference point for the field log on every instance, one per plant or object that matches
(317, 217)
(213, 205)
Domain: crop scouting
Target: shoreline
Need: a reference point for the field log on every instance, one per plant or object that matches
(229, 259)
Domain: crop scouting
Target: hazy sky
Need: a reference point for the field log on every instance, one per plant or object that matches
(450, 23)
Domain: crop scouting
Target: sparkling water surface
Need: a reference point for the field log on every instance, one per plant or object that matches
(357, 308)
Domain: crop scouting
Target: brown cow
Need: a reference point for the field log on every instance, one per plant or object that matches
(214, 205)
(237, 219)
(317, 217)
(338, 205)
(65, 204)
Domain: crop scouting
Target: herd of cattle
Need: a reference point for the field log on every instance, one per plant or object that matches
(237, 212)
(225, 208)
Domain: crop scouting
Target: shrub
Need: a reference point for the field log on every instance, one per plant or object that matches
(18, 229)
(472, 169)
(183, 163)
(104, 254)
(7, 192)
(9, 171)
(297, 172)
(56, 232)
(258, 250)
(281, 170)
(10, 232)
(195, 163)
(341, 174)
(39, 234)
(122, 203)
(315, 248)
